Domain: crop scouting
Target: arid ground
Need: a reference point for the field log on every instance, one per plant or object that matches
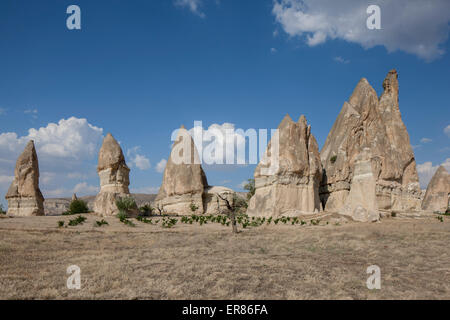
(328, 261)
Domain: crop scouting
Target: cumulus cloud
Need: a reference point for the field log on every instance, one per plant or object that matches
(66, 152)
(192, 5)
(84, 189)
(138, 160)
(425, 140)
(412, 26)
(222, 144)
(426, 171)
(161, 166)
(447, 130)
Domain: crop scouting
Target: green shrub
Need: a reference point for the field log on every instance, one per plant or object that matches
(126, 204)
(250, 187)
(123, 217)
(78, 206)
(194, 207)
(146, 210)
(78, 220)
(333, 159)
(101, 223)
(60, 224)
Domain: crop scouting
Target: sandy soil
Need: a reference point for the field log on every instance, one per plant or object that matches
(328, 261)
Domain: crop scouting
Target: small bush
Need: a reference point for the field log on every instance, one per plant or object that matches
(78, 206)
(393, 214)
(78, 220)
(101, 223)
(146, 211)
(250, 187)
(333, 159)
(123, 217)
(441, 219)
(194, 207)
(60, 224)
(126, 204)
(2, 211)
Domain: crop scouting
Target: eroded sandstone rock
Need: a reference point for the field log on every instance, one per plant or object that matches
(361, 203)
(24, 196)
(114, 177)
(184, 181)
(438, 192)
(292, 186)
(368, 122)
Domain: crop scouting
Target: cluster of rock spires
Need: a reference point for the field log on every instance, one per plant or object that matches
(366, 166)
(375, 126)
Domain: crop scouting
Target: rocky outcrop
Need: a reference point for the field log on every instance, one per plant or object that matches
(438, 192)
(287, 180)
(361, 203)
(24, 196)
(114, 177)
(213, 199)
(184, 181)
(367, 121)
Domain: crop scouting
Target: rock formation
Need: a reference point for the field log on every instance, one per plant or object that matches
(114, 177)
(292, 186)
(213, 202)
(361, 203)
(24, 196)
(368, 122)
(438, 192)
(184, 181)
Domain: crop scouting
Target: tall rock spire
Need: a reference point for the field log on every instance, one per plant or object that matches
(368, 122)
(24, 196)
(114, 177)
(292, 187)
(184, 181)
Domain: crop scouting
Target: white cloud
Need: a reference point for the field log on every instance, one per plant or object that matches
(32, 112)
(5, 180)
(84, 188)
(138, 160)
(161, 166)
(425, 140)
(426, 171)
(341, 60)
(192, 5)
(413, 26)
(65, 148)
(220, 141)
(273, 50)
(447, 130)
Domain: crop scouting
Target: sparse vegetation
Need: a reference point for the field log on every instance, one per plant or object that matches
(333, 159)
(2, 211)
(440, 218)
(146, 210)
(123, 217)
(101, 223)
(61, 224)
(250, 187)
(78, 206)
(194, 207)
(78, 220)
(126, 204)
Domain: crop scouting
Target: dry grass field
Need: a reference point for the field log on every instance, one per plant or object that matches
(209, 262)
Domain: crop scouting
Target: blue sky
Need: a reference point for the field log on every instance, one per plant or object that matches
(139, 69)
